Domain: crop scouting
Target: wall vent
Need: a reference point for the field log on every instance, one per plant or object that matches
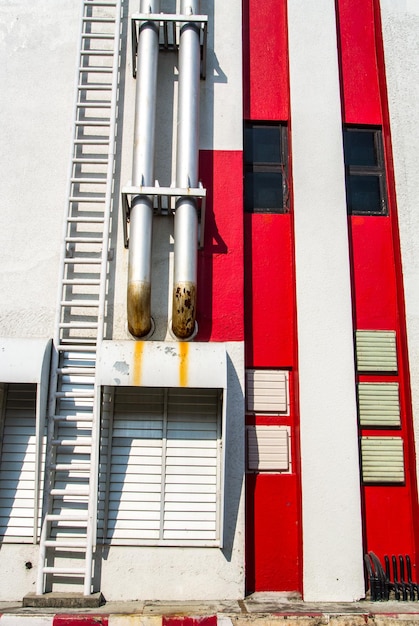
(382, 459)
(379, 404)
(268, 449)
(376, 351)
(267, 391)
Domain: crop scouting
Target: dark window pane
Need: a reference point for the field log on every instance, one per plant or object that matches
(360, 148)
(364, 194)
(262, 145)
(263, 191)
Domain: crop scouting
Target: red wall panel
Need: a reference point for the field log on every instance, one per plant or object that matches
(360, 87)
(265, 44)
(269, 291)
(272, 532)
(220, 312)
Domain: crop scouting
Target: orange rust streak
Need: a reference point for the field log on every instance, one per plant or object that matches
(138, 362)
(183, 364)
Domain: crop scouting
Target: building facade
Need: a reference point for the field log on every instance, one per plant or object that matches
(208, 361)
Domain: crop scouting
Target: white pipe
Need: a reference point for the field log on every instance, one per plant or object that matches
(186, 219)
(141, 216)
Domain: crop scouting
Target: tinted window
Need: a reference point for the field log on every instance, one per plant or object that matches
(265, 168)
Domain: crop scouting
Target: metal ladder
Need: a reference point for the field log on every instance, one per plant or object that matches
(68, 535)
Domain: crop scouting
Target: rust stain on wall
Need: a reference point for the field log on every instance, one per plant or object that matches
(183, 364)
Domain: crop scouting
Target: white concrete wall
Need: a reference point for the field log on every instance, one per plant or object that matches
(332, 541)
(400, 22)
(38, 43)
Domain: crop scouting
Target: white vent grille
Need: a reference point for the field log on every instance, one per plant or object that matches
(376, 351)
(267, 391)
(268, 448)
(382, 459)
(379, 404)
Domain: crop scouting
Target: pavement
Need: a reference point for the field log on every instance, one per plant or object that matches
(261, 609)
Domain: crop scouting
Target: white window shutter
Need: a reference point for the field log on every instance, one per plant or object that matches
(267, 391)
(17, 463)
(164, 473)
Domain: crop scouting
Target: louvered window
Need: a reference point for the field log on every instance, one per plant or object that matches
(17, 464)
(161, 475)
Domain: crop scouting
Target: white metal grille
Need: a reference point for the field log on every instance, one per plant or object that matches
(268, 448)
(267, 391)
(376, 351)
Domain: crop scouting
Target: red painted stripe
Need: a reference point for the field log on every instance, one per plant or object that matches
(68, 619)
(358, 63)
(265, 60)
(220, 300)
(210, 620)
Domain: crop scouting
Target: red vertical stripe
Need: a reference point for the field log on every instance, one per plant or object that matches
(69, 619)
(266, 88)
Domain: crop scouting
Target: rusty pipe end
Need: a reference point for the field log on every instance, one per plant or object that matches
(139, 308)
(184, 309)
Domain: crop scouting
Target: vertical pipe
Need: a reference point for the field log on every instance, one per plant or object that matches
(141, 217)
(186, 219)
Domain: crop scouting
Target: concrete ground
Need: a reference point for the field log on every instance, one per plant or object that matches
(262, 609)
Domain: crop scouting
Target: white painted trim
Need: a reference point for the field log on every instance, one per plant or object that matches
(332, 533)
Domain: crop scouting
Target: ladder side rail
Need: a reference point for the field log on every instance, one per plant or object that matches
(93, 493)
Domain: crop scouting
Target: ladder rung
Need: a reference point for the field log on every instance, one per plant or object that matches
(76, 347)
(95, 70)
(50, 543)
(92, 105)
(63, 517)
(104, 87)
(83, 240)
(76, 369)
(81, 281)
(97, 53)
(92, 142)
(76, 467)
(83, 262)
(88, 161)
(87, 199)
(99, 19)
(101, 123)
(86, 220)
(73, 418)
(70, 492)
(78, 325)
(91, 181)
(100, 3)
(74, 394)
(79, 303)
(79, 571)
(86, 441)
(97, 36)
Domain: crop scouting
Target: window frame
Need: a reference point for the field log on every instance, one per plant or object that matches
(280, 166)
(377, 171)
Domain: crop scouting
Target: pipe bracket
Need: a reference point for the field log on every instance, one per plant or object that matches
(169, 34)
(164, 204)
